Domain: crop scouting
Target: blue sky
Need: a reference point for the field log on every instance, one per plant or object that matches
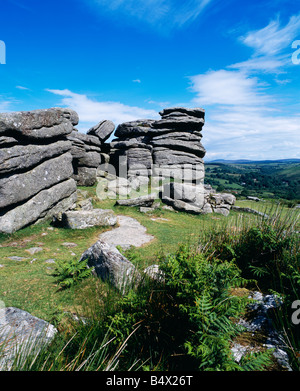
(127, 59)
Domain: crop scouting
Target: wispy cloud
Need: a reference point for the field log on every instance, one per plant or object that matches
(165, 14)
(243, 113)
(243, 116)
(271, 46)
(22, 88)
(136, 81)
(91, 111)
(273, 38)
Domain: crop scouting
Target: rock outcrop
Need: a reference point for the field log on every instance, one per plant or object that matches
(169, 153)
(35, 166)
(88, 152)
(43, 158)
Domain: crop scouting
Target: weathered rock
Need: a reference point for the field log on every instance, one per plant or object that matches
(82, 219)
(39, 124)
(85, 176)
(20, 157)
(251, 198)
(180, 123)
(189, 193)
(20, 187)
(196, 112)
(85, 204)
(21, 334)
(41, 207)
(222, 198)
(103, 130)
(7, 141)
(134, 128)
(87, 139)
(182, 206)
(180, 142)
(134, 142)
(147, 201)
(222, 210)
(90, 159)
(207, 208)
(167, 157)
(111, 266)
(34, 250)
(185, 173)
(138, 158)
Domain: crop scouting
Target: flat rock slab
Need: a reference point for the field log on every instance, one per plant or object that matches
(129, 233)
(88, 218)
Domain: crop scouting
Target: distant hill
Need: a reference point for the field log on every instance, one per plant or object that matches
(265, 178)
(245, 161)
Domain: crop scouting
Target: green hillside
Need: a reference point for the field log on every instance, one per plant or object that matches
(278, 179)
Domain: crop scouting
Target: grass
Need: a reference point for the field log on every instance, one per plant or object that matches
(31, 285)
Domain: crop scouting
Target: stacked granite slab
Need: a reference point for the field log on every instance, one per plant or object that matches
(35, 166)
(169, 148)
(161, 148)
(170, 151)
(177, 149)
(86, 151)
(131, 151)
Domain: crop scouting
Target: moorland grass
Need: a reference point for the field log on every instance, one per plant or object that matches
(31, 284)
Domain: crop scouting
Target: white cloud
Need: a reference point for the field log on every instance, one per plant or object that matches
(136, 81)
(244, 119)
(251, 135)
(271, 46)
(273, 39)
(164, 14)
(22, 88)
(225, 87)
(91, 111)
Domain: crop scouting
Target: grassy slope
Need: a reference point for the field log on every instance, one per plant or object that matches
(287, 171)
(30, 284)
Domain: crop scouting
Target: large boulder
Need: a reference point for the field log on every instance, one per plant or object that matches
(85, 176)
(20, 157)
(36, 165)
(15, 188)
(146, 200)
(111, 266)
(39, 124)
(182, 206)
(81, 219)
(43, 206)
(103, 130)
(22, 334)
(134, 128)
(189, 193)
(194, 112)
